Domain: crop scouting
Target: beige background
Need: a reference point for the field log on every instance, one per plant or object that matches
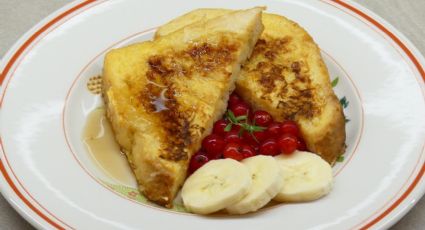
(17, 16)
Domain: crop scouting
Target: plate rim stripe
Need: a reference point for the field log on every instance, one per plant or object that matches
(52, 22)
(421, 71)
(3, 75)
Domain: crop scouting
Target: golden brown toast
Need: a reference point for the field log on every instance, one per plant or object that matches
(163, 96)
(286, 76)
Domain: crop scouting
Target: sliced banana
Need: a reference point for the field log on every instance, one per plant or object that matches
(216, 185)
(267, 181)
(306, 177)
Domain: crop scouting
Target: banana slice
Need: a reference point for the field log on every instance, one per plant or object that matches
(216, 185)
(306, 177)
(266, 183)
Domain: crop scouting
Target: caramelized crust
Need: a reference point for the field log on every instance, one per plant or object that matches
(163, 96)
(160, 96)
(286, 76)
(287, 82)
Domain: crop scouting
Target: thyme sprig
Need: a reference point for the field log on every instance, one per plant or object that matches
(242, 121)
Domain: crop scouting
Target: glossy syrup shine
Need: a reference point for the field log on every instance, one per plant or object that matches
(104, 151)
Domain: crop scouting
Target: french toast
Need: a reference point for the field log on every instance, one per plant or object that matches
(162, 97)
(286, 77)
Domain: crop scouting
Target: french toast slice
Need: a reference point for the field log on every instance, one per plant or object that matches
(286, 77)
(162, 97)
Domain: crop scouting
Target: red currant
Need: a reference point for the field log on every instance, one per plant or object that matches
(274, 130)
(219, 127)
(233, 150)
(287, 143)
(238, 151)
(262, 118)
(240, 109)
(234, 99)
(236, 128)
(301, 145)
(251, 143)
(214, 145)
(260, 136)
(232, 137)
(290, 127)
(254, 137)
(247, 151)
(197, 161)
(269, 147)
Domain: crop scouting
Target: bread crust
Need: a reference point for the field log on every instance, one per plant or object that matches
(162, 97)
(287, 77)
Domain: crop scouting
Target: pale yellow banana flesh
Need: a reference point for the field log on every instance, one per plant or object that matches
(267, 181)
(306, 177)
(242, 187)
(216, 185)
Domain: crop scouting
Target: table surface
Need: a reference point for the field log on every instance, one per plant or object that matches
(17, 16)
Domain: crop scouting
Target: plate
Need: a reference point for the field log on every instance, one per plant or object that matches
(50, 177)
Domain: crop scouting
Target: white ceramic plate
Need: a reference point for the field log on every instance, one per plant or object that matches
(50, 178)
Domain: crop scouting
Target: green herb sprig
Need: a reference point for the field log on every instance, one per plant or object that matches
(242, 121)
(344, 102)
(347, 120)
(335, 82)
(341, 158)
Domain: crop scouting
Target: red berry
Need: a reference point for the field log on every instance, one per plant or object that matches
(247, 151)
(240, 109)
(232, 137)
(236, 128)
(238, 151)
(301, 145)
(290, 127)
(247, 138)
(233, 150)
(219, 127)
(274, 130)
(214, 145)
(269, 147)
(259, 137)
(287, 143)
(234, 99)
(197, 160)
(256, 147)
(262, 118)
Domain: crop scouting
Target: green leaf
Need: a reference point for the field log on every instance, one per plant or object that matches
(344, 102)
(231, 117)
(244, 126)
(340, 158)
(335, 82)
(179, 208)
(228, 127)
(257, 128)
(241, 118)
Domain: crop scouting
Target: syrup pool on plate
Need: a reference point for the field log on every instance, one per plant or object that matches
(99, 140)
